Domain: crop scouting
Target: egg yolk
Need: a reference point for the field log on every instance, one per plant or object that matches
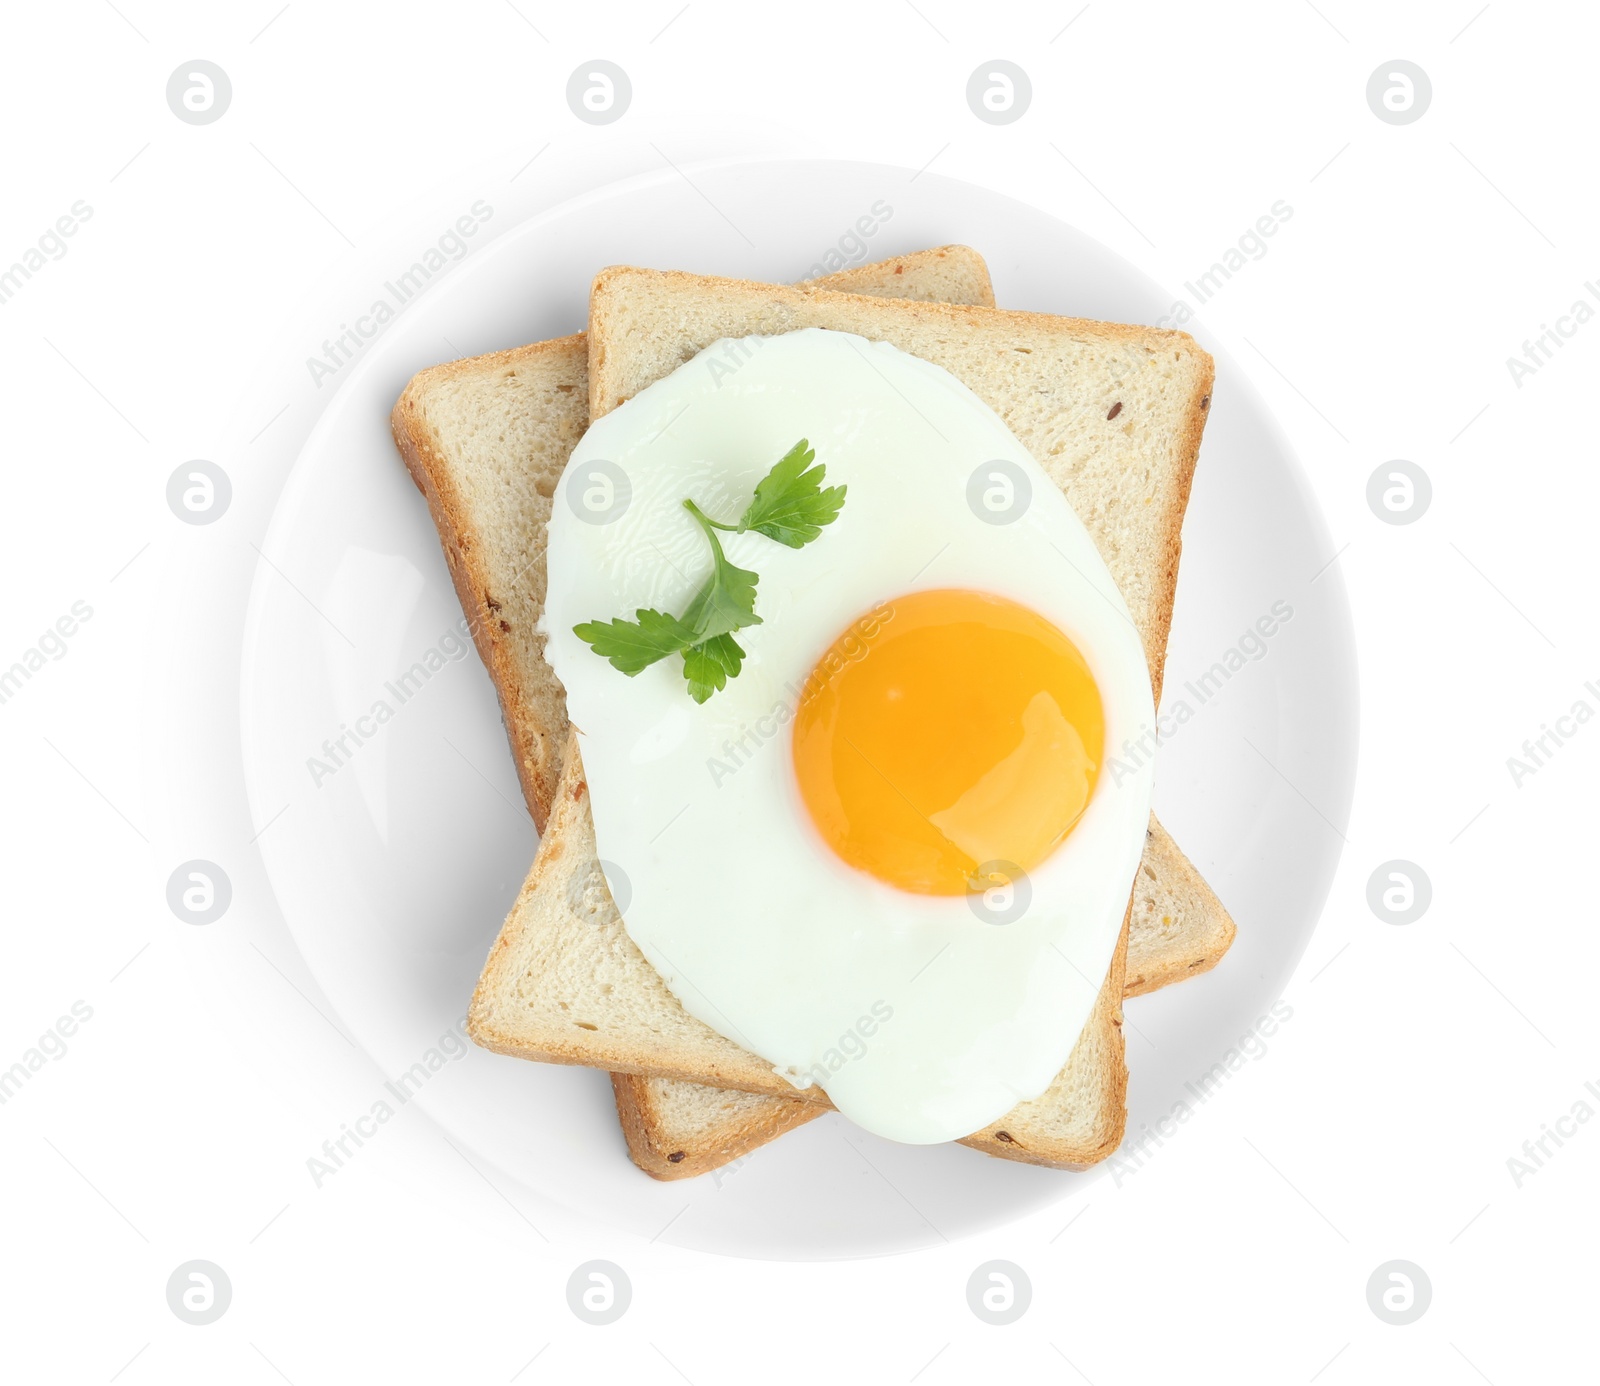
(944, 731)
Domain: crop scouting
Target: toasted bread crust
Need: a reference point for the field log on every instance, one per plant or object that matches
(536, 738)
(665, 1154)
(1167, 953)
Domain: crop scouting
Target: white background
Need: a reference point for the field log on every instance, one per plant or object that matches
(1419, 1059)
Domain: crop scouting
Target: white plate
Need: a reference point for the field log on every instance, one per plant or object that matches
(394, 873)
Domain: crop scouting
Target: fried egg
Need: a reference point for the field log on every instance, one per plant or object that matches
(889, 856)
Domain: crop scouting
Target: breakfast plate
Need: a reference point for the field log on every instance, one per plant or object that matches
(371, 730)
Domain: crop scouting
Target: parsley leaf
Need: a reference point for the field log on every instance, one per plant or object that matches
(635, 645)
(789, 506)
(709, 665)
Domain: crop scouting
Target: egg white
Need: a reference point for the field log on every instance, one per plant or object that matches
(921, 1022)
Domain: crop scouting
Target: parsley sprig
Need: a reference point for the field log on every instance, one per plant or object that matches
(790, 506)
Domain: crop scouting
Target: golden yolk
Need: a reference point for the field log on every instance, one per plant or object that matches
(943, 731)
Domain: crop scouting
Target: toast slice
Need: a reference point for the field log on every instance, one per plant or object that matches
(486, 439)
(676, 1130)
(1139, 471)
